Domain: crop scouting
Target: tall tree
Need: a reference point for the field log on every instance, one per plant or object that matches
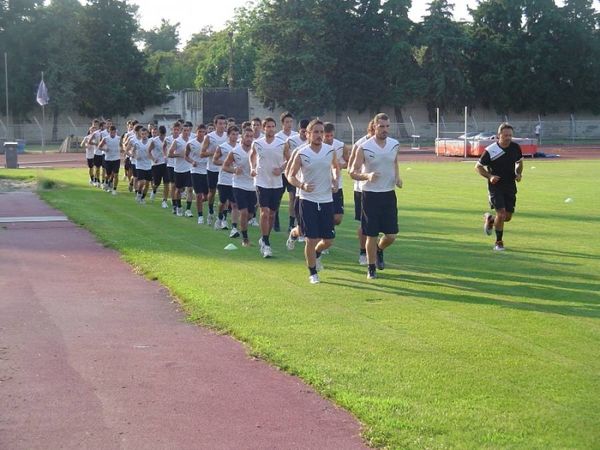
(444, 44)
(164, 38)
(116, 81)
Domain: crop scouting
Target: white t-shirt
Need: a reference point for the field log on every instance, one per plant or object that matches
(142, 160)
(316, 170)
(181, 165)
(268, 157)
(383, 161)
(358, 143)
(157, 150)
(201, 162)
(225, 178)
(242, 160)
(112, 148)
(89, 148)
(215, 140)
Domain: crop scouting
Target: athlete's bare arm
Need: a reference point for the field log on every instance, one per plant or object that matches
(252, 156)
(519, 170)
(204, 153)
(335, 169)
(397, 171)
(228, 165)
(217, 157)
(172, 149)
(356, 172)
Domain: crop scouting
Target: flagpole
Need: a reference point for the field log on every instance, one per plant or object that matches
(43, 122)
(6, 86)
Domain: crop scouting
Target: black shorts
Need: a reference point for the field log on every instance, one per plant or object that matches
(317, 219)
(90, 162)
(287, 186)
(213, 179)
(503, 198)
(97, 160)
(134, 170)
(200, 183)
(183, 180)
(225, 193)
(112, 166)
(357, 205)
(338, 202)
(127, 163)
(245, 199)
(379, 213)
(142, 174)
(269, 197)
(170, 174)
(159, 174)
(104, 161)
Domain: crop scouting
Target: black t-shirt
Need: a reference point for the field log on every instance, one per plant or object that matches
(503, 165)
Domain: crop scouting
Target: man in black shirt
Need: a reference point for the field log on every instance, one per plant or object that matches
(502, 165)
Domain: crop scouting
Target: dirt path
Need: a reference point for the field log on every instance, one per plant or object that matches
(95, 356)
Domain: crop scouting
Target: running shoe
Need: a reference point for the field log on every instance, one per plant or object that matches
(488, 223)
(245, 243)
(200, 220)
(499, 247)
(234, 233)
(267, 252)
(217, 225)
(314, 279)
(164, 204)
(362, 259)
(371, 275)
(209, 219)
(179, 212)
(291, 242)
(188, 213)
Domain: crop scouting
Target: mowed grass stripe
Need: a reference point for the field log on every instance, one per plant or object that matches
(454, 346)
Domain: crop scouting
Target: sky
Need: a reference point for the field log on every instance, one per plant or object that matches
(193, 15)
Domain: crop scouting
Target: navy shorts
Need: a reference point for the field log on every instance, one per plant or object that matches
(379, 213)
(159, 174)
(98, 160)
(112, 166)
(170, 174)
(127, 163)
(200, 183)
(357, 205)
(317, 219)
(225, 193)
(144, 174)
(213, 179)
(503, 198)
(338, 202)
(245, 199)
(183, 180)
(90, 162)
(269, 197)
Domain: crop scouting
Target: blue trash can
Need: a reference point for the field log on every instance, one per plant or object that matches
(20, 145)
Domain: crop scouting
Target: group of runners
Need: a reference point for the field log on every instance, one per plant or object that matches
(251, 167)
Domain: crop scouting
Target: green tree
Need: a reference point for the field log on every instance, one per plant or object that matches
(164, 38)
(116, 81)
(444, 44)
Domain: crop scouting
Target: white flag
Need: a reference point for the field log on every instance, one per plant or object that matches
(42, 94)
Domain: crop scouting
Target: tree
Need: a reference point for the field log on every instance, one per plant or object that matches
(444, 63)
(164, 38)
(116, 81)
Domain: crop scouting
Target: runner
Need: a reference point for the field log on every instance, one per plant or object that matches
(362, 239)
(170, 184)
(139, 150)
(183, 177)
(318, 166)
(225, 184)
(209, 146)
(94, 141)
(159, 163)
(89, 154)
(268, 157)
(132, 134)
(287, 121)
(502, 165)
(379, 155)
(244, 191)
(342, 159)
(111, 145)
(193, 153)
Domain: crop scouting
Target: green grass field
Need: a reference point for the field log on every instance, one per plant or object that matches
(454, 346)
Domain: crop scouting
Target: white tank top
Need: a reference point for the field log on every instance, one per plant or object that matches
(157, 151)
(142, 161)
(242, 160)
(112, 148)
(132, 140)
(295, 141)
(181, 165)
(97, 137)
(361, 141)
(201, 162)
(338, 146)
(89, 148)
(269, 156)
(284, 137)
(382, 160)
(169, 140)
(316, 170)
(225, 178)
(215, 140)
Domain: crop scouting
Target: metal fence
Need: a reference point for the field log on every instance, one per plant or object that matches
(417, 134)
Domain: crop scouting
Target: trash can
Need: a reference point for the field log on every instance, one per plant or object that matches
(10, 151)
(20, 145)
